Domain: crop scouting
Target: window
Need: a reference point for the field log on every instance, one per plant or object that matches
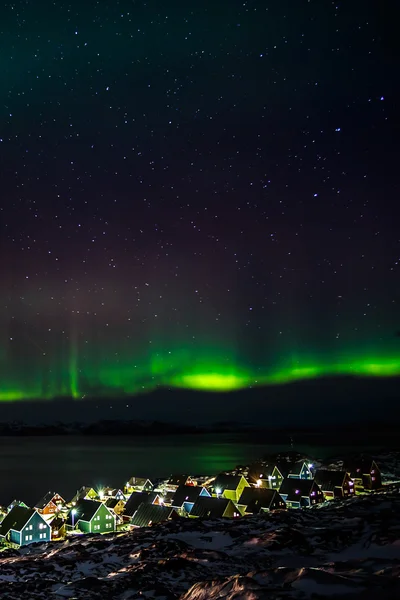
(42, 526)
(42, 536)
(108, 525)
(26, 538)
(96, 527)
(30, 527)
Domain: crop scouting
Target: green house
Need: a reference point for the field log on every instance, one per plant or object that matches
(90, 516)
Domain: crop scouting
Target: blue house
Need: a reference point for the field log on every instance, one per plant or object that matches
(300, 493)
(23, 526)
(299, 470)
(186, 495)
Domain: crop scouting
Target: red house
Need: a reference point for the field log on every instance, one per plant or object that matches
(50, 503)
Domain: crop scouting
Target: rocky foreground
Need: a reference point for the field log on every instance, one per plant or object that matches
(349, 549)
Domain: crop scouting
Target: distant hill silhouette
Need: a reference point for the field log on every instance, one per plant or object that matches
(322, 401)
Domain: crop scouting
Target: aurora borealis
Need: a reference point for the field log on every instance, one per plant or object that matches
(195, 198)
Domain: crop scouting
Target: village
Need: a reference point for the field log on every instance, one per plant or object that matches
(265, 486)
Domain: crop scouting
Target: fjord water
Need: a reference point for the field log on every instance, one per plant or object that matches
(30, 466)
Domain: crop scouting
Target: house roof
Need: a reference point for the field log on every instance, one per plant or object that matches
(85, 511)
(57, 523)
(294, 468)
(82, 492)
(261, 471)
(178, 479)
(227, 482)
(150, 514)
(139, 481)
(16, 503)
(186, 493)
(329, 480)
(135, 500)
(257, 498)
(207, 506)
(16, 519)
(47, 498)
(291, 485)
(358, 466)
(111, 502)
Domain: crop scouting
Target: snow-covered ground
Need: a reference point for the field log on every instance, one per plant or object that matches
(349, 549)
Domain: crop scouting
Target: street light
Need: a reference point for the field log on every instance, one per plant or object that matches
(73, 513)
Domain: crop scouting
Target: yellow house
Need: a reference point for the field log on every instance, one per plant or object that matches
(229, 486)
(116, 505)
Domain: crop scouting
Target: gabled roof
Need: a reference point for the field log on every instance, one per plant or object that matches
(109, 492)
(16, 503)
(206, 506)
(85, 511)
(16, 519)
(227, 482)
(47, 498)
(139, 481)
(261, 470)
(295, 468)
(111, 502)
(329, 480)
(57, 523)
(359, 466)
(136, 499)
(82, 492)
(150, 514)
(257, 498)
(178, 480)
(297, 488)
(186, 493)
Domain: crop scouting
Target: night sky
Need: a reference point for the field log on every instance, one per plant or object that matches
(196, 195)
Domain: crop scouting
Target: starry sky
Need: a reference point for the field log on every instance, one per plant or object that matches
(196, 195)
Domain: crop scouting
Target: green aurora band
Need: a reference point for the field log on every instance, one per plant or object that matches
(77, 377)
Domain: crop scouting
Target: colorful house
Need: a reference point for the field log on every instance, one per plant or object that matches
(214, 508)
(176, 480)
(23, 526)
(229, 486)
(116, 505)
(138, 484)
(58, 528)
(151, 514)
(258, 500)
(50, 503)
(186, 495)
(136, 499)
(365, 472)
(300, 493)
(90, 516)
(109, 492)
(16, 503)
(84, 493)
(298, 470)
(334, 484)
(265, 475)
